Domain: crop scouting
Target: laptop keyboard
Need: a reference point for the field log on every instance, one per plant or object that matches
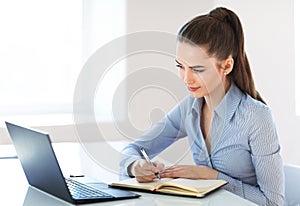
(82, 191)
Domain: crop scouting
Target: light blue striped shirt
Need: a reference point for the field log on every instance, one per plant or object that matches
(244, 144)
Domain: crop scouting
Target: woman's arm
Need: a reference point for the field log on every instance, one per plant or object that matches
(253, 193)
(265, 155)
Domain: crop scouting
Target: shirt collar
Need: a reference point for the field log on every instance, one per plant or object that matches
(197, 104)
(229, 103)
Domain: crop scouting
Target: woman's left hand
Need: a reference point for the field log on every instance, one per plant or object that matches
(189, 171)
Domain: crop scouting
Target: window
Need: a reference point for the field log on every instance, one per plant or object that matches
(43, 47)
(40, 55)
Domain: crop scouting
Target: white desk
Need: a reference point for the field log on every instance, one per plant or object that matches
(15, 190)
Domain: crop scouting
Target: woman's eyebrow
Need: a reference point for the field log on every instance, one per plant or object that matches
(192, 67)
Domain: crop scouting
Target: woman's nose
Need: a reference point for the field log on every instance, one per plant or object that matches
(188, 76)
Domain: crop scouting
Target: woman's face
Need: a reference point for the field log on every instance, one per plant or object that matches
(201, 74)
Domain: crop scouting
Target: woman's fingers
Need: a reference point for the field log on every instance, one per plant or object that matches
(158, 167)
(144, 171)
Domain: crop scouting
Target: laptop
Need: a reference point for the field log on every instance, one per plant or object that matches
(41, 168)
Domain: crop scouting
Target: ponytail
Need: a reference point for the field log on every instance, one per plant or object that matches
(221, 33)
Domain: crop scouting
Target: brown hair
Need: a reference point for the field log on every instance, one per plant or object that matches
(220, 32)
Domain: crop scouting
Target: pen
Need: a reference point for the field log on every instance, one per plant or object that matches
(76, 175)
(148, 160)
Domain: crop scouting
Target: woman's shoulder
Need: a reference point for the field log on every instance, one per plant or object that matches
(255, 108)
(243, 103)
(249, 101)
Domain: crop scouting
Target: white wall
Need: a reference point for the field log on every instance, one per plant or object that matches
(268, 27)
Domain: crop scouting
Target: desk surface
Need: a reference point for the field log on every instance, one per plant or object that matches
(15, 190)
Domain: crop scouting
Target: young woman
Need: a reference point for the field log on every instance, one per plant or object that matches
(231, 131)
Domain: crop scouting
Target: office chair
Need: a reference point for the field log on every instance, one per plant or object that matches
(292, 185)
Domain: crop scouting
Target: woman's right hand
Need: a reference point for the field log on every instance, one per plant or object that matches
(144, 171)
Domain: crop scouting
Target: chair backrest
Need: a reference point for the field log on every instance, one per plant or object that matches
(292, 185)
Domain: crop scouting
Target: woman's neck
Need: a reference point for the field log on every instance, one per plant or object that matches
(215, 97)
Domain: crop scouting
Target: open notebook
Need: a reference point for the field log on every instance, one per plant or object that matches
(178, 186)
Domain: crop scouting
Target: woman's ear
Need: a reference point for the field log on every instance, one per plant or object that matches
(227, 65)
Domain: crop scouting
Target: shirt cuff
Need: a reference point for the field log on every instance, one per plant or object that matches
(235, 186)
(126, 163)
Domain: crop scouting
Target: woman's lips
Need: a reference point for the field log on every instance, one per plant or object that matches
(193, 89)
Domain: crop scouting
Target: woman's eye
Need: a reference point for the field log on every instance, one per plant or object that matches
(179, 66)
(198, 70)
